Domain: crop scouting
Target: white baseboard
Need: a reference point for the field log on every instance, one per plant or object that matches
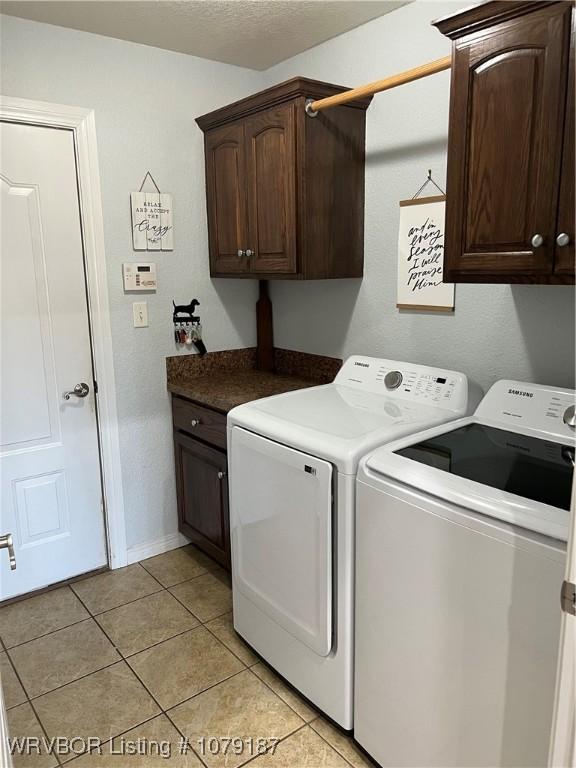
(151, 548)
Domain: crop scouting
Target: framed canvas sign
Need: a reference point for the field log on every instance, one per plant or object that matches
(421, 256)
(152, 228)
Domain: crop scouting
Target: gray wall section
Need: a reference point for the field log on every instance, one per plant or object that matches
(496, 331)
(145, 100)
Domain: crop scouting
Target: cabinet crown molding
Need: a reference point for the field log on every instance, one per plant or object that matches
(484, 15)
(297, 87)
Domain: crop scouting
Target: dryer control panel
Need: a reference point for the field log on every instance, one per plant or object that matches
(406, 381)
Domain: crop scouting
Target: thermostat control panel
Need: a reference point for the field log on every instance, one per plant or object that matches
(139, 276)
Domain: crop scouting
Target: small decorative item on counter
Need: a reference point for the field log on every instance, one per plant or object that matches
(187, 326)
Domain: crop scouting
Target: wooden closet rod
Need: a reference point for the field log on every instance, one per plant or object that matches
(313, 107)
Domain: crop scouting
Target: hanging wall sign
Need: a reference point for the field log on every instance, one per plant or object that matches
(152, 228)
(421, 256)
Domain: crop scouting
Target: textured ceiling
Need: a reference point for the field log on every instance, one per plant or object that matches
(248, 33)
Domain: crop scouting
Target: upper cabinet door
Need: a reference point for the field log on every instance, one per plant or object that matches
(226, 199)
(271, 190)
(564, 263)
(505, 145)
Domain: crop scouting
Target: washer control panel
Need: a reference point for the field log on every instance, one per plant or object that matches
(569, 416)
(530, 406)
(418, 383)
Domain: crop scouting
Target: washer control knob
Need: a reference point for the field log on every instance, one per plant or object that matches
(570, 417)
(393, 379)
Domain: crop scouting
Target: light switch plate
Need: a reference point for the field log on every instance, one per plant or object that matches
(140, 312)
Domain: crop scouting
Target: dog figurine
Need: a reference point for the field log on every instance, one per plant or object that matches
(187, 309)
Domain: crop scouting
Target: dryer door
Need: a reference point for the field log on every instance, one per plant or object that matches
(281, 527)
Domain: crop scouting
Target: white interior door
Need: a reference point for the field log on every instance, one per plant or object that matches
(281, 525)
(51, 498)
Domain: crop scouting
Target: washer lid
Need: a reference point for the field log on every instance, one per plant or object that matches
(510, 476)
(536, 469)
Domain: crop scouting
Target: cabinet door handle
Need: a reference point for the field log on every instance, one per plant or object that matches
(537, 240)
(221, 475)
(195, 422)
(249, 253)
(241, 253)
(563, 239)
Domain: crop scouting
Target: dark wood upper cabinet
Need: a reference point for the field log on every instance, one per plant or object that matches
(511, 144)
(225, 178)
(284, 191)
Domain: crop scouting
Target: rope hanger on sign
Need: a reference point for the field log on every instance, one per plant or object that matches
(429, 180)
(148, 174)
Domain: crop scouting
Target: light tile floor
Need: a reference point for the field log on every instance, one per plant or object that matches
(145, 658)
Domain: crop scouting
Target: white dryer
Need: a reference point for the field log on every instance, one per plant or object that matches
(460, 555)
(292, 468)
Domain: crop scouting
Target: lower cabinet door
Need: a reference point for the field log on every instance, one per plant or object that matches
(202, 489)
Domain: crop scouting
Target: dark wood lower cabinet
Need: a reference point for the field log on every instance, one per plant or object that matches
(202, 491)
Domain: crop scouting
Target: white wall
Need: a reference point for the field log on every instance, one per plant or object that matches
(145, 101)
(523, 332)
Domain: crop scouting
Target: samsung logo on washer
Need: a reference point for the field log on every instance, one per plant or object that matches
(362, 365)
(520, 392)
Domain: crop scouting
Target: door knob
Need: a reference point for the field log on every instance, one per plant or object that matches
(537, 240)
(7, 543)
(80, 390)
(562, 239)
(241, 253)
(221, 475)
(249, 253)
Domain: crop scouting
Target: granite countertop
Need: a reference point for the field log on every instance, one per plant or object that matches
(225, 390)
(223, 380)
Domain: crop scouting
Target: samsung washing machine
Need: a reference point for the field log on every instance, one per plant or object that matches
(460, 554)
